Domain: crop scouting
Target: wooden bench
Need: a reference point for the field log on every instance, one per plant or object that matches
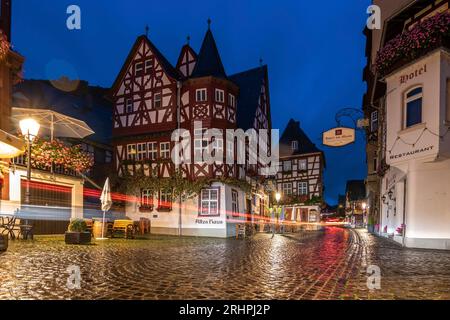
(125, 227)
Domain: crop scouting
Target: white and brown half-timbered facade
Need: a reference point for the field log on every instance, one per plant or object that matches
(300, 177)
(152, 99)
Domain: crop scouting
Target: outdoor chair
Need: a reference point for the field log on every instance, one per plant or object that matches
(124, 227)
(90, 226)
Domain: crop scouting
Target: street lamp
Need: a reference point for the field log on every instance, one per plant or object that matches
(30, 129)
(277, 198)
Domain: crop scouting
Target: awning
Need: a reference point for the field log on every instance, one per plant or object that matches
(10, 146)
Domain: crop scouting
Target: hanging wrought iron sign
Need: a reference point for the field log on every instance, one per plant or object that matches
(338, 137)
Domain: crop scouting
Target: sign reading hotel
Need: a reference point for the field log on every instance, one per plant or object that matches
(338, 137)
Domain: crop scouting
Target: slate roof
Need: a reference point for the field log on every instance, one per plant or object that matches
(87, 103)
(209, 62)
(355, 190)
(249, 83)
(293, 132)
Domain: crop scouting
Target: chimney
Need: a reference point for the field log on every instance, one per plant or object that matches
(5, 18)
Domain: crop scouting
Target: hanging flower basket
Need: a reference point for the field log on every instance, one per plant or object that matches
(424, 37)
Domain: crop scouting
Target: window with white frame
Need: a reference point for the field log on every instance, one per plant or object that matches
(200, 144)
(129, 105)
(230, 150)
(209, 202)
(220, 96)
(148, 66)
(287, 188)
(131, 151)
(141, 151)
(294, 145)
(235, 203)
(157, 102)
(413, 107)
(165, 199)
(200, 95)
(146, 200)
(374, 121)
(302, 164)
(139, 69)
(231, 100)
(164, 150)
(287, 166)
(152, 150)
(303, 188)
(217, 146)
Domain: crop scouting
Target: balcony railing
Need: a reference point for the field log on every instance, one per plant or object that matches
(58, 169)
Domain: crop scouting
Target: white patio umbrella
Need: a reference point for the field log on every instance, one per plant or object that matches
(106, 200)
(54, 124)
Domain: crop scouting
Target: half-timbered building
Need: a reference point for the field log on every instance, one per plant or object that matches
(300, 177)
(152, 99)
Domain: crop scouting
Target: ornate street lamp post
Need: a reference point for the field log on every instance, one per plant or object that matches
(30, 129)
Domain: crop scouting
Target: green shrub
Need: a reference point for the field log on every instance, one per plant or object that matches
(77, 225)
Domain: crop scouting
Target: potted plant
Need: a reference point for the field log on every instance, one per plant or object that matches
(3, 242)
(77, 233)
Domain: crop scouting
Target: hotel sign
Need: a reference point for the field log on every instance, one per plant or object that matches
(338, 137)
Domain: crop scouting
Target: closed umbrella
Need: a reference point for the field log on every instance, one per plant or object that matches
(106, 200)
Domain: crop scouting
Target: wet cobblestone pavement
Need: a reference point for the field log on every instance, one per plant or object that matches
(330, 265)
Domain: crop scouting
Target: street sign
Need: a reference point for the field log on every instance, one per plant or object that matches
(338, 137)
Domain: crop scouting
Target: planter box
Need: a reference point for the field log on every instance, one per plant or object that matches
(3, 242)
(77, 237)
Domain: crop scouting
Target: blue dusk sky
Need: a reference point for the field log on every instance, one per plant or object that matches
(314, 51)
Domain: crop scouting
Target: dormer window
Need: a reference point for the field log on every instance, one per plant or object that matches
(220, 96)
(200, 95)
(139, 69)
(294, 145)
(413, 107)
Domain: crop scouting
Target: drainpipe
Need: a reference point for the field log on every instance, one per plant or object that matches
(404, 214)
(178, 127)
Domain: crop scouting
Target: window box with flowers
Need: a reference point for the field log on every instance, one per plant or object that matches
(423, 38)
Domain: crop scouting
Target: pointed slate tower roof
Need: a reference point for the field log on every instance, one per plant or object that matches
(209, 62)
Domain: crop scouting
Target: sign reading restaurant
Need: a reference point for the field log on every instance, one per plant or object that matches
(410, 153)
(338, 137)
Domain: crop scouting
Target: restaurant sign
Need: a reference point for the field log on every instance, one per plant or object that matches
(338, 137)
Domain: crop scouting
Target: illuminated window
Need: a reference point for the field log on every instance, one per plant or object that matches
(200, 95)
(413, 107)
(209, 202)
(131, 151)
(294, 145)
(164, 150)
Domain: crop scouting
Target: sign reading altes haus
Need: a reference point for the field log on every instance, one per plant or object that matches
(338, 137)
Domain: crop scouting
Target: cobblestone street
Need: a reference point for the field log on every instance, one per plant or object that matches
(330, 265)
